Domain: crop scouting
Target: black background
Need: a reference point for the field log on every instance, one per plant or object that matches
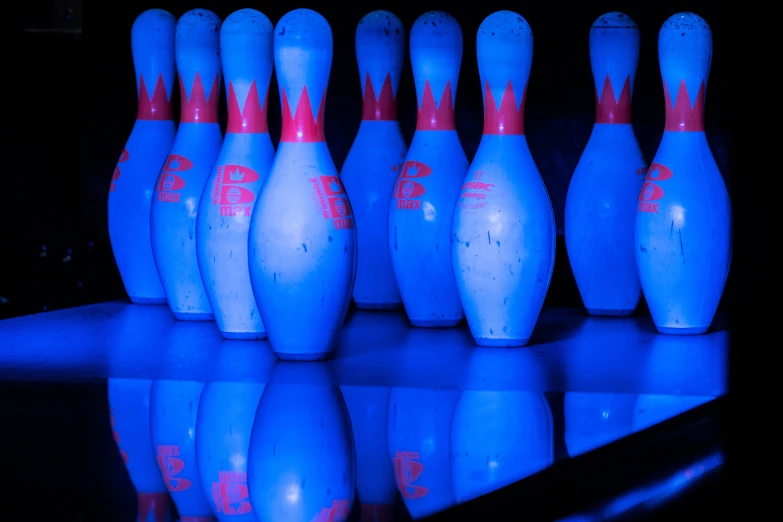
(71, 105)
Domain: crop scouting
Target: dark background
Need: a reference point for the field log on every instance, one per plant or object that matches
(71, 104)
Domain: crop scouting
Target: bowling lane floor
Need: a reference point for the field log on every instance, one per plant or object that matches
(596, 419)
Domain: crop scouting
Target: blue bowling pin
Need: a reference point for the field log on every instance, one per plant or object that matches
(651, 409)
(173, 409)
(367, 406)
(302, 236)
(600, 208)
(428, 183)
(181, 180)
(302, 460)
(503, 231)
(371, 168)
(129, 403)
(240, 170)
(498, 438)
(224, 422)
(130, 191)
(418, 440)
(596, 419)
(683, 218)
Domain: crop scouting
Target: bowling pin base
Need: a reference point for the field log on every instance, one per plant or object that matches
(435, 323)
(303, 357)
(147, 300)
(154, 506)
(603, 312)
(190, 316)
(378, 306)
(243, 336)
(376, 513)
(696, 330)
(500, 343)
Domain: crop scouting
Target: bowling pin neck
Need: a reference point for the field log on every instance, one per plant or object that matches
(614, 55)
(152, 41)
(198, 105)
(380, 51)
(303, 60)
(250, 118)
(685, 53)
(436, 57)
(504, 49)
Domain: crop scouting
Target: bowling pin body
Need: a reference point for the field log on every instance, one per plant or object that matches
(683, 218)
(302, 460)
(371, 168)
(428, 183)
(173, 410)
(223, 427)
(418, 439)
(367, 406)
(503, 231)
(302, 237)
(129, 400)
(596, 419)
(181, 180)
(230, 192)
(131, 188)
(498, 438)
(600, 204)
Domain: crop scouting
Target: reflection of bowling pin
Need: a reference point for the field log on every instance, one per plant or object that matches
(130, 192)
(600, 206)
(223, 426)
(129, 400)
(652, 409)
(503, 230)
(302, 463)
(683, 218)
(173, 409)
(428, 183)
(181, 180)
(418, 434)
(302, 236)
(371, 167)
(240, 170)
(374, 473)
(595, 419)
(497, 438)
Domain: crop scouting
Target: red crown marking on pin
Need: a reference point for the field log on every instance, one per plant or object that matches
(197, 109)
(301, 126)
(508, 119)
(682, 117)
(610, 109)
(252, 118)
(158, 107)
(379, 108)
(156, 504)
(436, 117)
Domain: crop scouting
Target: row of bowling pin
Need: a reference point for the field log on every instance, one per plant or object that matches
(248, 451)
(500, 284)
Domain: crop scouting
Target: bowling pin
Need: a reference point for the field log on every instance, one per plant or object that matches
(599, 209)
(230, 191)
(423, 198)
(302, 236)
(302, 460)
(498, 438)
(173, 408)
(129, 403)
(182, 178)
(130, 191)
(596, 419)
(374, 474)
(503, 230)
(372, 165)
(418, 439)
(683, 218)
